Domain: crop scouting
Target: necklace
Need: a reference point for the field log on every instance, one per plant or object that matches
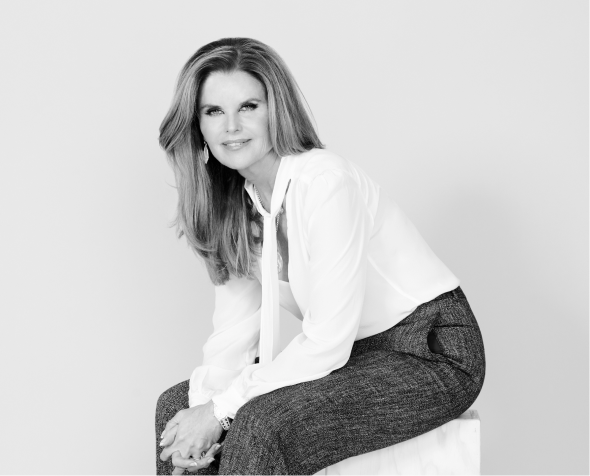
(279, 257)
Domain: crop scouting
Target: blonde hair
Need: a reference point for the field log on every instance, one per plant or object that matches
(214, 211)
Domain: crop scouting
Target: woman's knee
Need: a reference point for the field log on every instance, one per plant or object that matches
(478, 376)
(257, 412)
(262, 420)
(458, 333)
(173, 399)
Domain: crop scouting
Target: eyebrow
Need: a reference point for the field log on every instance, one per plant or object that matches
(241, 104)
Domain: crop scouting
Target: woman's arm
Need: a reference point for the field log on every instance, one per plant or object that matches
(234, 341)
(228, 350)
(338, 230)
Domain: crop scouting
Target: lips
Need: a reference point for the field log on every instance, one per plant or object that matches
(235, 144)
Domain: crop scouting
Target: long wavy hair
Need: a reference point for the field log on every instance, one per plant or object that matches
(214, 211)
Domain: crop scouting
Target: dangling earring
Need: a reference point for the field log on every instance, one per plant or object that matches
(206, 152)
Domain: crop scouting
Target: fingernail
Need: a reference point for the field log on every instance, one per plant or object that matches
(194, 463)
(162, 444)
(210, 460)
(162, 435)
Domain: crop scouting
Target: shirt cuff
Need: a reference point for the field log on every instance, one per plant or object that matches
(229, 401)
(195, 399)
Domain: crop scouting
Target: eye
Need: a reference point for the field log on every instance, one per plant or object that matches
(214, 111)
(249, 106)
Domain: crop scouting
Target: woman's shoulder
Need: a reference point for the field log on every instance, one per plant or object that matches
(319, 172)
(317, 162)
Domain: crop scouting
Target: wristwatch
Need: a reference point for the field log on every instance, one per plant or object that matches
(222, 416)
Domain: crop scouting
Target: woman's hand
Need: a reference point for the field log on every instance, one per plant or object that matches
(193, 465)
(188, 434)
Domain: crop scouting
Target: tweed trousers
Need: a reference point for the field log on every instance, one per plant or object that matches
(416, 376)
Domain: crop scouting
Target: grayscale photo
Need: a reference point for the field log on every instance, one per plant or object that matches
(294, 238)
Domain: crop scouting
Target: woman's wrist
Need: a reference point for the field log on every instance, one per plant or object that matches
(221, 416)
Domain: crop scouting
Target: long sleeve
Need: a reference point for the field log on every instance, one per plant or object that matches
(234, 341)
(338, 227)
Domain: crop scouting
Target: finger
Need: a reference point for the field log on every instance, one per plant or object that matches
(200, 464)
(167, 452)
(207, 458)
(170, 451)
(178, 471)
(189, 463)
(216, 448)
(175, 420)
(167, 430)
(180, 462)
(169, 436)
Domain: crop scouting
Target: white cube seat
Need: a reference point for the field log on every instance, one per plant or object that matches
(453, 448)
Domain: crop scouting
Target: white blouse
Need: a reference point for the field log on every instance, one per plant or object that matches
(357, 266)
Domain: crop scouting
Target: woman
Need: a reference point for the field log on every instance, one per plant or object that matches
(389, 347)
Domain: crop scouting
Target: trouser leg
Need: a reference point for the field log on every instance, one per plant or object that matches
(393, 388)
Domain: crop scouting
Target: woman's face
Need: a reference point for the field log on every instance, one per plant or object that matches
(233, 115)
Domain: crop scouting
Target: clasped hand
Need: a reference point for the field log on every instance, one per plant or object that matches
(190, 433)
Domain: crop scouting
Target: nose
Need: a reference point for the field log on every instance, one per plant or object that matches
(232, 122)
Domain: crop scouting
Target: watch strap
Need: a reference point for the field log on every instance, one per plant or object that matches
(222, 417)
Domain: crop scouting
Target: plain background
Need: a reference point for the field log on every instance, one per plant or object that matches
(473, 116)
